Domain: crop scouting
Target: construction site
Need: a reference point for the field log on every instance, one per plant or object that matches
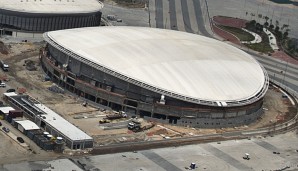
(108, 127)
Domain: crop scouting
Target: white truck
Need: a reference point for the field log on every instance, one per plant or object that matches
(4, 66)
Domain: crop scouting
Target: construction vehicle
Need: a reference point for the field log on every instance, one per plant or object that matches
(104, 120)
(246, 157)
(4, 66)
(136, 126)
(111, 117)
(118, 115)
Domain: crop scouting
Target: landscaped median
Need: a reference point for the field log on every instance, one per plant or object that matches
(252, 35)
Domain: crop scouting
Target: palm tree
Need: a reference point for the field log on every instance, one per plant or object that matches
(266, 24)
(284, 26)
(286, 33)
(266, 18)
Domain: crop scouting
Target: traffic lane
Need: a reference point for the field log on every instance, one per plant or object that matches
(159, 13)
(274, 62)
(277, 71)
(173, 18)
(199, 18)
(185, 14)
(283, 81)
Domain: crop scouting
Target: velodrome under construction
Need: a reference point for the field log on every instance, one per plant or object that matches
(162, 75)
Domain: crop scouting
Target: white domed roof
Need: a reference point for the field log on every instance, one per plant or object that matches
(177, 64)
(51, 6)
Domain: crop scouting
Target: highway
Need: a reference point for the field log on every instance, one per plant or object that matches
(191, 16)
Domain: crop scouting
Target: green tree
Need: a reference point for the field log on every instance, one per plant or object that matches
(271, 27)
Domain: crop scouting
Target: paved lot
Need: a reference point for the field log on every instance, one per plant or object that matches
(221, 156)
(130, 17)
(212, 156)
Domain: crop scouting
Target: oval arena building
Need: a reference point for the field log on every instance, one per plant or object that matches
(161, 75)
(27, 18)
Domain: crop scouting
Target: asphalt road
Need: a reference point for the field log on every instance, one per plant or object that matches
(183, 15)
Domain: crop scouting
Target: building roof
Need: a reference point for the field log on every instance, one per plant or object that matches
(28, 125)
(62, 125)
(181, 65)
(52, 6)
(6, 109)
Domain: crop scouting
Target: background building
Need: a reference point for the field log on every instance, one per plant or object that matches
(27, 18)
(169, 76)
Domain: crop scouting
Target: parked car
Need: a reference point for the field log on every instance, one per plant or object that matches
(2, 84)
(10, 90)
(5, 129)
(20, 139)
(4, 66)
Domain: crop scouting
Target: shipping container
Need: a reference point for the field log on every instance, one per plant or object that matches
(49, 146)
(15, 113)
(42, 142)
(9, 119)
(33, 133)
(30, 134)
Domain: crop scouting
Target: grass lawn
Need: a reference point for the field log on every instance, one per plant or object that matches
(260, 47)
(241, 34)
(263, 47)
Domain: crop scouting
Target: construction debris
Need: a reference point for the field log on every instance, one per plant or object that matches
(56, 89)
(30, 65)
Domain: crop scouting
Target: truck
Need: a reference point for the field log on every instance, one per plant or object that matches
(110, 117)
(119, 115)
(4, 66)
(104, 120)
(136, 126)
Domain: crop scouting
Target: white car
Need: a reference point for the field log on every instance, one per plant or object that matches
(2, 85)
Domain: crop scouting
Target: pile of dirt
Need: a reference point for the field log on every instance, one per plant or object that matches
(3, 49)
(54, 88)
(160, 131)
(30, 65)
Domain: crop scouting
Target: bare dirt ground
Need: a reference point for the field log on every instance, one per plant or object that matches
(87, 118)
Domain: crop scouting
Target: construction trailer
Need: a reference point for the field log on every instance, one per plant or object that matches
(50, 121)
